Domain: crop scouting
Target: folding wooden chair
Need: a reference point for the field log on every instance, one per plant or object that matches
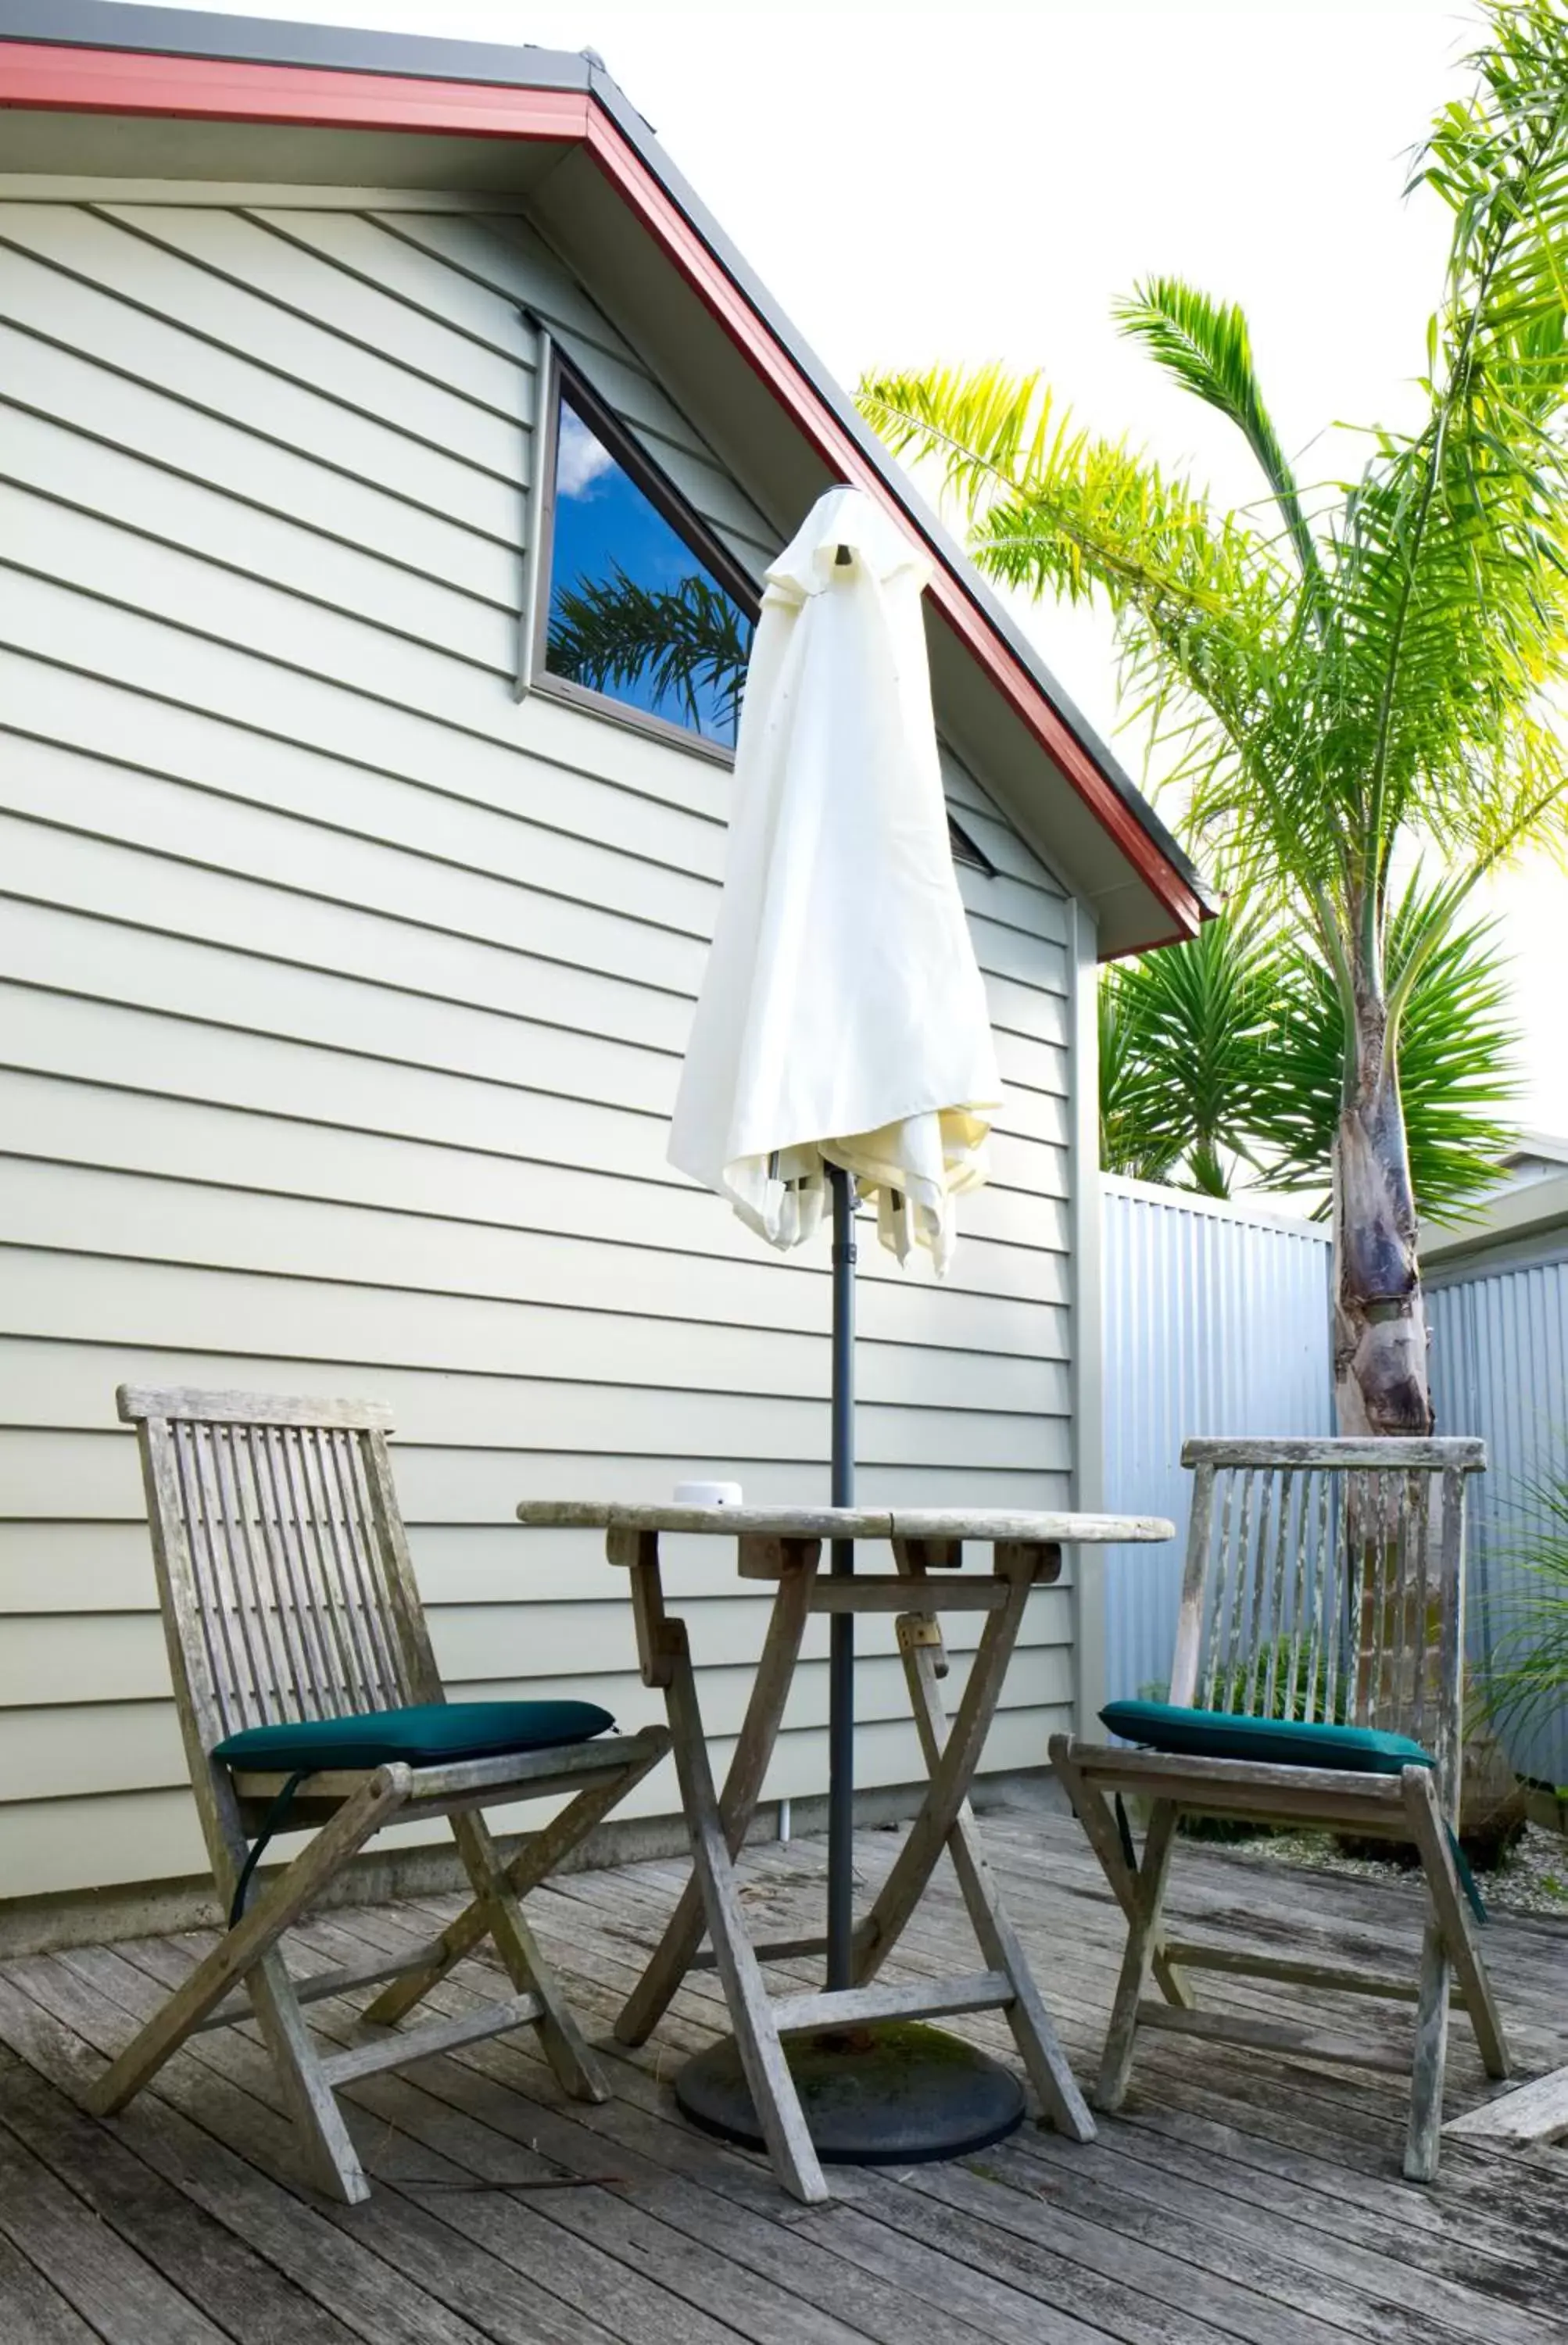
(1317, 1679)
(307, 1694)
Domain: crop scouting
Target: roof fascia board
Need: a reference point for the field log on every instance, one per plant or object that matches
(1510, 1215)
(49, 77)
(248, 79)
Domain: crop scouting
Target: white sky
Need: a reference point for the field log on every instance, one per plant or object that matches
(961, 182)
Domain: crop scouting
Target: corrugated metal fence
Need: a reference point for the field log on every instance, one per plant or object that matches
(1216, 1321)
(1500, 1368)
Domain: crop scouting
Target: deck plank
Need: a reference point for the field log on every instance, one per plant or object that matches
(392, 2275)
(238, 2290)
(31, 2309)
(116, 2290)
(1410, 2221)
(479, 2114)
(1237, 2197)
(1100, 2263)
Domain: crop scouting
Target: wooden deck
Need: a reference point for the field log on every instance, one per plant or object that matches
(1237, 2199)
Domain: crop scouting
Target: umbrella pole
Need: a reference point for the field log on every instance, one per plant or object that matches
(898, 2092)
(842, 1628)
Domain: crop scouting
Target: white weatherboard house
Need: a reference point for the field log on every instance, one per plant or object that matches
(361, 398)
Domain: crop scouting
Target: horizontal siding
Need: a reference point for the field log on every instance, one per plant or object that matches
(68, 1118)
(506, 257)
(484, 1648)
(114, 1838)
(124, 340)
(59, 1566)
(111, 253)
(101, 483)
(342, 1000)
(297, 481)
(54, 1746)
(99, 1041)
(41, 1470)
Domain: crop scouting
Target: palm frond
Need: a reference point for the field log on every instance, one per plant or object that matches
(1526, 1675)
(1051, 505)
(683, 642)
(1452, 558)
(1454, 1060)
(1201, 602)
(1206, 346)
(1186, 1030)
(1388, 673)
(1132, 1141)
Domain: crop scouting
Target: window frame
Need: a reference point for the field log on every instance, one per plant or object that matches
(558, 377)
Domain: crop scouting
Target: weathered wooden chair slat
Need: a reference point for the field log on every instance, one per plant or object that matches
(287, 1595)
(1324, 1583)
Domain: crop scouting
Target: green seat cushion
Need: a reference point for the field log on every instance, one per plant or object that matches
(1277, 1741)
(424, 1736)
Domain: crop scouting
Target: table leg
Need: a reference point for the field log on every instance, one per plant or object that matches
(999, 1943)
(952, 1773)
(1039, 2046)
(772, 2088)
(672, 1958)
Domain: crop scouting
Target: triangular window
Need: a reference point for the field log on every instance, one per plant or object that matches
(641, 605)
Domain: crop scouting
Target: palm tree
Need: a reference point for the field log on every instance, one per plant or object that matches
(1183, 1038)
(1222, 1059)
(1355, 670)
(1456, 1064)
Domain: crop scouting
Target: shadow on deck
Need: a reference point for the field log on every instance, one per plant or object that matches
(1237, 2198)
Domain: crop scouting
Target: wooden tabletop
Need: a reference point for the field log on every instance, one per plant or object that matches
(987, 1524)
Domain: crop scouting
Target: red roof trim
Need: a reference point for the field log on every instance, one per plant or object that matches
(42, 76)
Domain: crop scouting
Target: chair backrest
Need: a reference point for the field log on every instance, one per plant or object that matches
(282, 1568)
(1325, 1581)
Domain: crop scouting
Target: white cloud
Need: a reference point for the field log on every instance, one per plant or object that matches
(580, 459)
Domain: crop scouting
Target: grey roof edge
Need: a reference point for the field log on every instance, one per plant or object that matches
(180, 32)
(1509, 1216)
(279, 41)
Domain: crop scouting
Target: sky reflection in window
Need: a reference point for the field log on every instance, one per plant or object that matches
(634, 612)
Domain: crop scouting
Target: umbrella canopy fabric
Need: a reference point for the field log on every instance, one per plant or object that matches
(843, 1019)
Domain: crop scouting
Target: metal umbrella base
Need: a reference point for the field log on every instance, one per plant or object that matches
(900, 2094)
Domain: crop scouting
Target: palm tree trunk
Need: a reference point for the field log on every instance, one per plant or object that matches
(1381, 1384)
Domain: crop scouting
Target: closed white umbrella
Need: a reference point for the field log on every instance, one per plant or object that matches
(842, 1035)
(842, 1020)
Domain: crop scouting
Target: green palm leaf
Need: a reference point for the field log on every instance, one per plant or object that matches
(1526, 1681)
(1188, 1029)
(685, 641)
(1205, 345)
(1139, 1134)
(1456, 1067)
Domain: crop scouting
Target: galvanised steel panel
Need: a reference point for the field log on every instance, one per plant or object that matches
(1500, 1368)
(1216, 1321)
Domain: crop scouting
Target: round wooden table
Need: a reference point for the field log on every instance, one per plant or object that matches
(783, 1545)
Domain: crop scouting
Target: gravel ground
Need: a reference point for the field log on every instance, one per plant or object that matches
(1532, 1879)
